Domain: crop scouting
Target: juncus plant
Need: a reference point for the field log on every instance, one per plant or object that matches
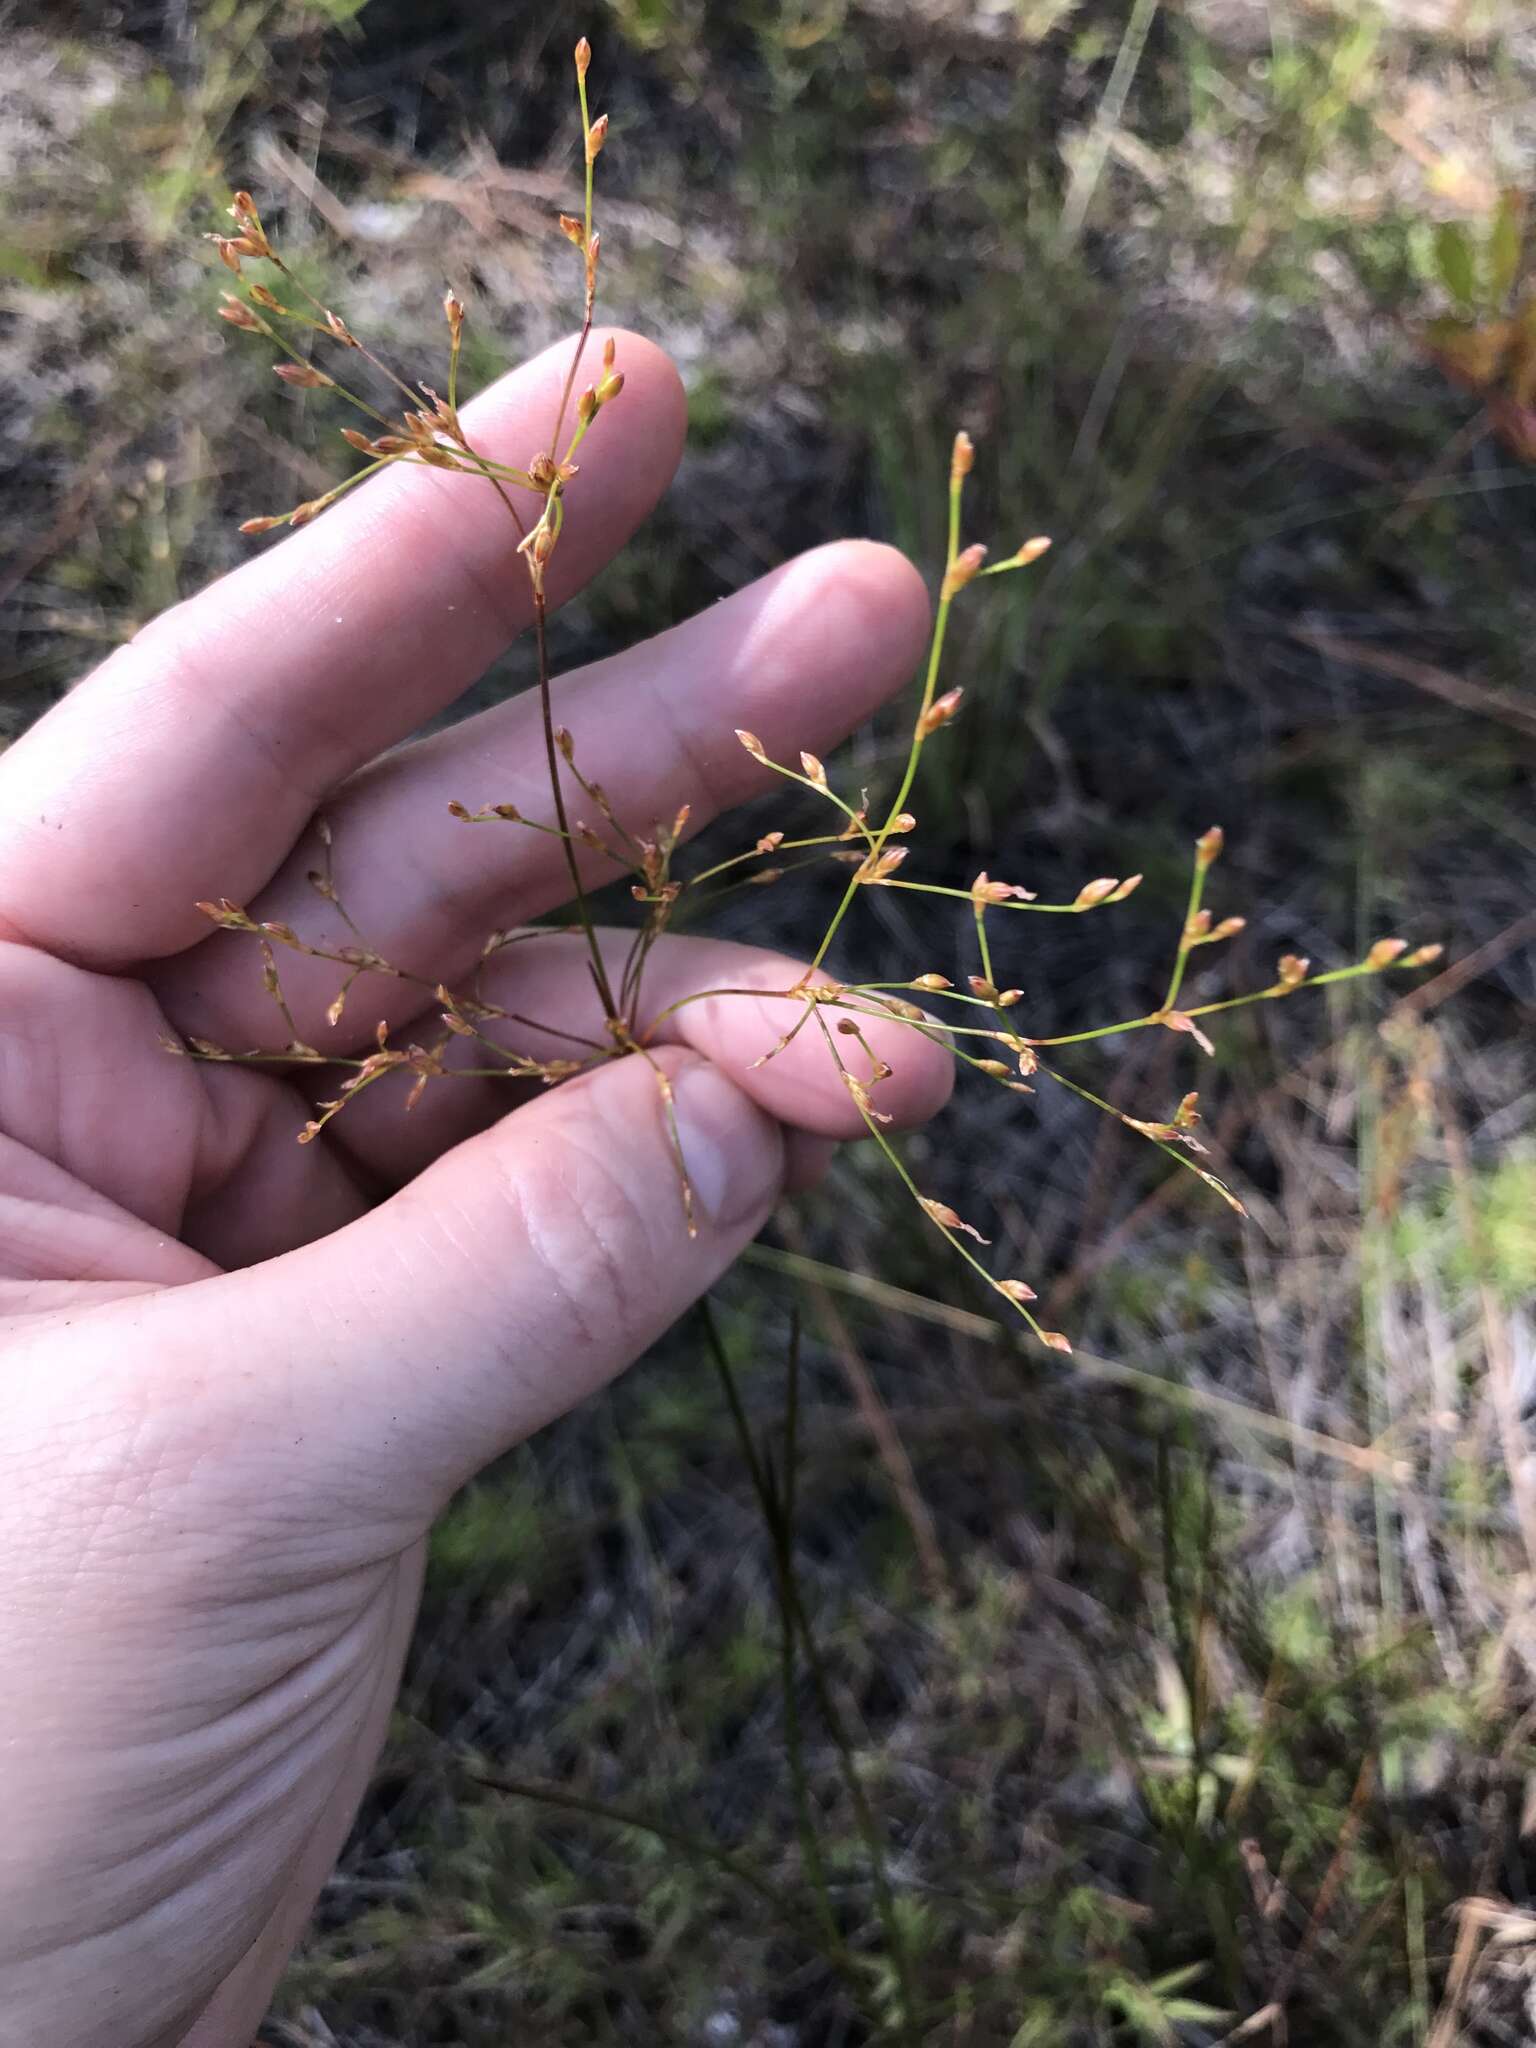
(870, 842)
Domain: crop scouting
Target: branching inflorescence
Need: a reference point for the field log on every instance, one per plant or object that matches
(981, 1026)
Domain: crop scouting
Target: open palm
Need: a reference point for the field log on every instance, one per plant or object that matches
(239, 1376)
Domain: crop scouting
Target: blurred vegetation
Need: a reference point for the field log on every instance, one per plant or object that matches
(1180, 1692)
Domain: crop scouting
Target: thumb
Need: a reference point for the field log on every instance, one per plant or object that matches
(517, 1274)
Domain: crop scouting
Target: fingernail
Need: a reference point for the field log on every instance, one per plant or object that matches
(733, 1153)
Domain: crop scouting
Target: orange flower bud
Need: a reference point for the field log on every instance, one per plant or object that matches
(1208, 847)
(940, 712)
(1016, 1291)
(962, 570)
(302, 376)
(597, 135)
(949, 1219)
(1093, 893)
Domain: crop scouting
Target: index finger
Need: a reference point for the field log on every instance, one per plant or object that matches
(187, 764)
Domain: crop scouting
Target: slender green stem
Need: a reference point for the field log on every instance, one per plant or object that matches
(764, 853)
(967, 896)
(1181, 958)
(563, 1801)
(552, 758)
(899, 1165)
(914, 752)
(810, 1846)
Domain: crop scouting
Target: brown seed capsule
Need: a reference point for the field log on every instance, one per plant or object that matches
(264, 524)
(1094, 893)
(995, 1067)
(597, 135)
(1179, 1020)
(962, 456)
(610, 350)
(881, 866)
(1229, 928)
(962, 570)
(752, 743)
(340, 331)
(769, 842)
(985, 890)
(301, 515)
(1292, 970)
(949, 1219)
(1127, 888)
(583, 57)
(610, 386)
(1032, 550)
(302, 376)
(980, 986)
(1423, 955)
(814, 771)
(861, 1096)
(1187, 1114)
(1385, 951)
(1056, 1341)
(904, 822)
(1197, 927)
(1015, 1291)
(1208, 846)
(241, 316)
(453, 312)
(940, 712)
(355, 438)
(586, 405)
(763, 877)
(930, 981)
(230, 915)
(573, 230)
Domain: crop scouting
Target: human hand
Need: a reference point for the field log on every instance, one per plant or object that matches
(241, 1376)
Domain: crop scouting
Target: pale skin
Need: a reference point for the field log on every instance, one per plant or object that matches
(239, 1377)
